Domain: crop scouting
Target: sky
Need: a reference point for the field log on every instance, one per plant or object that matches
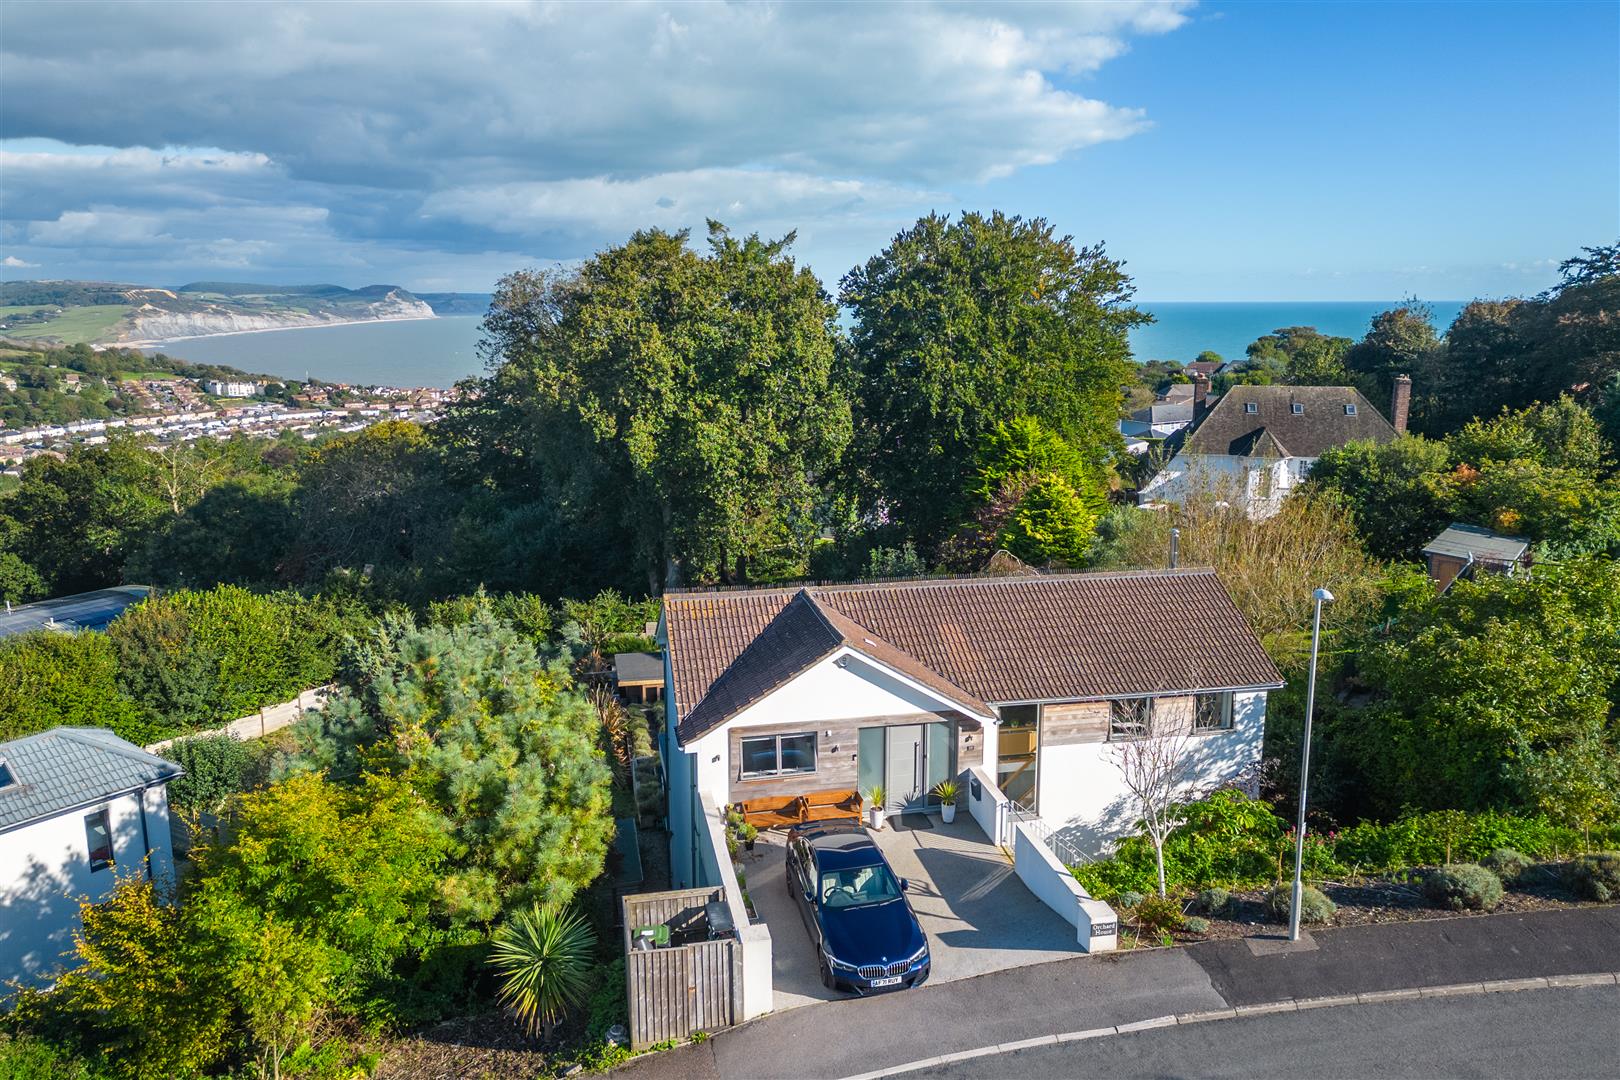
(1224, 151)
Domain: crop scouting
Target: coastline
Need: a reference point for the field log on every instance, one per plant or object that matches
(156, 343)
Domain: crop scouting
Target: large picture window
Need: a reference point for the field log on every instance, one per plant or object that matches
(1130, 718)
(98, 839)
(1212, 712)
(778, 755)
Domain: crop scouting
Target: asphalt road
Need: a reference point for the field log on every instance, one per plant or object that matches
(1572, 1033)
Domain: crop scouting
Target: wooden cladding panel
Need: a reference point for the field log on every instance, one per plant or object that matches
(836, 754)
(1074, 722)
(969, 745)
(1087, 721)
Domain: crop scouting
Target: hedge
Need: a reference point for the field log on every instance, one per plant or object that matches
(1232, 841)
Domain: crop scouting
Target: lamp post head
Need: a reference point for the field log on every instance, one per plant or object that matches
(1322, 596)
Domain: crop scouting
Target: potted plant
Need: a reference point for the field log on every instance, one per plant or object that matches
(946, 792)
(748, 832)
(875, 800)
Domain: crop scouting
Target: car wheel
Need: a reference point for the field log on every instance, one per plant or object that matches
(826, 975)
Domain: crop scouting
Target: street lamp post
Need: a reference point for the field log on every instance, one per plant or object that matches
(1321, 596)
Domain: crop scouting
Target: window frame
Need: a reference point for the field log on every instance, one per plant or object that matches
(1297, 408)
(1225, 710)
(1145, 725)
(1350, 410)
(104, 819)
(1251, 407)
(776, 742)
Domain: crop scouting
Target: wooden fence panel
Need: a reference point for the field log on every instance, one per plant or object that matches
(680, 989)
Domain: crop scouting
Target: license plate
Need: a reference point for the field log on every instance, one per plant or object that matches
(892, 980)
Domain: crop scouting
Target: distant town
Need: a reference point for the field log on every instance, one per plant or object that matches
(179, 409)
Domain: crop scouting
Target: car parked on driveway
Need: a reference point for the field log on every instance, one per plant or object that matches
(864, 930)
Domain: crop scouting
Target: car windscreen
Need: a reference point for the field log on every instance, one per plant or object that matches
(857, 886)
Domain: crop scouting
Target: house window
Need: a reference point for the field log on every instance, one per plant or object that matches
(1212, 712)
(778, 755)
(1299, 410)
(98, 839)
(7, 778)
(1251, 407)
(1349, 410)
(1017, 753)
(1130, 718)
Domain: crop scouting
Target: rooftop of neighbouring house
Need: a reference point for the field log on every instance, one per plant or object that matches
(81, 611)
(1286, 421)
(972, 641)
(638, 668)
(1482, 545)
(66, 768)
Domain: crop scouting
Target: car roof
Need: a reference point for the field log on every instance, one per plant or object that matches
(840, 845)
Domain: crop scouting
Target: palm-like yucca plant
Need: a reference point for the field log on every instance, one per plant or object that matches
(543, 956)
(615, 724)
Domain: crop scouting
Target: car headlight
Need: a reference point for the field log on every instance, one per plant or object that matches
(837, 964)
(918, 955)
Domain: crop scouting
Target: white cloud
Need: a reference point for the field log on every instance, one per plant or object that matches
(15, 263)
(489, 127)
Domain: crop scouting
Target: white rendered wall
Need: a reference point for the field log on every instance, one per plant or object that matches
(825, 692)
(1238, 479)
(45, 872)
(1083, 800)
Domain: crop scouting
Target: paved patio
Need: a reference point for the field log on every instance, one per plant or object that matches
(977, 914)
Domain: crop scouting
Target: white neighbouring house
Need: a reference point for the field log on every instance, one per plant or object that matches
(1027, 681)
(1258, 443)
(78, 807)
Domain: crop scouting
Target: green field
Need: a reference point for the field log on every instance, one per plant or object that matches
(73, 326)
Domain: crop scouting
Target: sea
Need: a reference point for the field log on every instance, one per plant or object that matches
(438, 352)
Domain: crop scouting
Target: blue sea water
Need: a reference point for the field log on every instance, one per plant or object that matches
(1183, 330)
(437, 352)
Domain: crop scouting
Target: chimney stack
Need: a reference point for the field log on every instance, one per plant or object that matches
(1200, 400)
(1400, 403)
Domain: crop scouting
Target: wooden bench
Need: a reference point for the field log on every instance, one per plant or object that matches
(773, 811)
(776, 811)
(832, 805)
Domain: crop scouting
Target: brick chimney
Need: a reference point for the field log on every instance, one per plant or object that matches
(1200, 398)
(1400, 402)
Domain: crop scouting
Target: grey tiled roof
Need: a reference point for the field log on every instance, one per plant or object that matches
(1229, 429)
(1059, 637)
(68, 767)
(1461, 541)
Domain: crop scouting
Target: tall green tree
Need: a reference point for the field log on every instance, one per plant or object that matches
(698, 395)
(959, 325)
(1399, 341)
(1309, 357)
(500, 744)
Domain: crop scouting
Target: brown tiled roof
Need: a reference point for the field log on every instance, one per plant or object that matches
(1229, 429)
(972, 640)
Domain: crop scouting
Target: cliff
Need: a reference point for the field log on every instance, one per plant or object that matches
(161, 322)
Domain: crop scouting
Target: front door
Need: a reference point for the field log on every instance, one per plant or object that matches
(906, 773)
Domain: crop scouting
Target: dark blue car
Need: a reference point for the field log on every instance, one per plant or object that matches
(864, 930)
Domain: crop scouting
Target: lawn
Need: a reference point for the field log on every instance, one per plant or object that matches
(75, 325)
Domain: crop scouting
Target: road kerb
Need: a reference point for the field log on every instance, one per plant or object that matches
(1601, 978)
(1146, 1025)
(1457, 990)
(1372, 997)
(1325, 1002)
(1202, 1017)
(1506, 986)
